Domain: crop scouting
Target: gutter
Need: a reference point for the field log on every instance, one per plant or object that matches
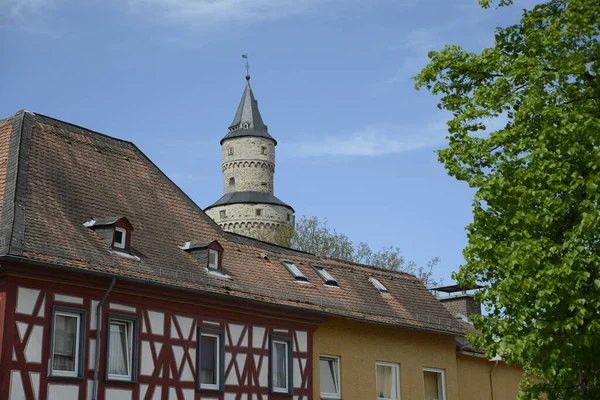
(98, 332)
(492, 379)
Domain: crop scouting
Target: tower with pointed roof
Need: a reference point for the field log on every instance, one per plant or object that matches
(248, 205)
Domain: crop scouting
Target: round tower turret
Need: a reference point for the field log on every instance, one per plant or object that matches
(249, 206)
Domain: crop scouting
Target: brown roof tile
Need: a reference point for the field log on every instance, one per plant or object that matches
(64, 175)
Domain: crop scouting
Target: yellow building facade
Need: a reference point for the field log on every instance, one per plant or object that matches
(420, 357)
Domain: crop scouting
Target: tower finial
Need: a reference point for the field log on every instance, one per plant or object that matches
(247, 66)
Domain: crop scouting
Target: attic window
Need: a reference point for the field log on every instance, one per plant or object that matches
(378, 285)
(246, 125)
(115, 231)
(208, 254)
(294, 270)
(326, 276)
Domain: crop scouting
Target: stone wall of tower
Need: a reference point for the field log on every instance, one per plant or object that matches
(250, 161)
(274, 221)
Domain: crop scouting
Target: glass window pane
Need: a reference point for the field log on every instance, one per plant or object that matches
(279, 377)
(386, 382)
(294, 269)
(118, 353)
(433, 382)
(65, 343)
(329, 376)
(208, 360)
(212, 254)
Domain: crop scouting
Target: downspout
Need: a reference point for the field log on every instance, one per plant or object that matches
(492, 379)
(98, 332)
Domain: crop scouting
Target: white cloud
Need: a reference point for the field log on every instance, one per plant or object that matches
(373, 141)
(19, 10)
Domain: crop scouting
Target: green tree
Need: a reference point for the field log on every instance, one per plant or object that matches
(315, 236)
(534, 239)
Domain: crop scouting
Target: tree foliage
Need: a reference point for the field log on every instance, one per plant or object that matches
(315, 236)
(534, 239)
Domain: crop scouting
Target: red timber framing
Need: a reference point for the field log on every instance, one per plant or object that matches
(167, 344)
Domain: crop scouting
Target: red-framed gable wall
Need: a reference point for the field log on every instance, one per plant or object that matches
(167, 341)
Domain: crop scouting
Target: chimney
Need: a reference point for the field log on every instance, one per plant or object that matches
(462, 304)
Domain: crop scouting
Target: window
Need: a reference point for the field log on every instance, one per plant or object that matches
(388, 381)
(263, 150)
(258, 212)
(326, 276)
(434, 384)
(263, 184)
(246, 125)
(121, 349)
(210, 359)
(281, 362)
(67, 342)
(330, 377)
(231, 181)
(222, 214)
(289, 217)
(294, 270)
(230, 151)
(378, 285)
(120, 238)
(213, 259)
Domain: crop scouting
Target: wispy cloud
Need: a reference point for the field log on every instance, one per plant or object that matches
(209, 12)
(374, 141)
(17, 11)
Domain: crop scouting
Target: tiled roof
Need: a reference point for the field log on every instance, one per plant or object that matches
(58, 176)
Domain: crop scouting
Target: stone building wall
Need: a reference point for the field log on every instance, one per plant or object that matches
(463, 304)
(248, 166)
(242, 219)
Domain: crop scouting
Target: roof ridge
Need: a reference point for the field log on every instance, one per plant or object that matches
(371, 267)
(58, 122)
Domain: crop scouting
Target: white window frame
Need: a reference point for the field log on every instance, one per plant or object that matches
(338, 395)
(215, 266)
(120, 245)
(76, 362)
(441, 373)
(287, 388)
(396, 368)
(211, 386)
(129, 340)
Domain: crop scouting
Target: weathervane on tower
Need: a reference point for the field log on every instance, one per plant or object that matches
(247, 66)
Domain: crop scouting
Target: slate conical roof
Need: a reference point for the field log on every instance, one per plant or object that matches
(247, 121)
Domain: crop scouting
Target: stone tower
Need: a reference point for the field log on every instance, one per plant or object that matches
(248, 205)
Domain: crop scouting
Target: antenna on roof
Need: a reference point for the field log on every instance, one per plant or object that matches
(247, 66)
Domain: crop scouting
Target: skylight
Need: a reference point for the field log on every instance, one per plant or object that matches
(326, 276)
(294, 270)
(378, 285)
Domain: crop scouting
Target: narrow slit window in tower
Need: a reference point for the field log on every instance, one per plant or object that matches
(222, 214)
(263, 150)
(258, 212)
(231, 181)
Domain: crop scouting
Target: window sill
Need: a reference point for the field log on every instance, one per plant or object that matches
(65, 378)
(276, 395)
(209, 390)
(121, 381)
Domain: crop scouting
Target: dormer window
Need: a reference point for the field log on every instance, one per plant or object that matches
(378, 285)
(326, 276)
(246, 125)
(208, 253)
(115, 231)
(294, 270)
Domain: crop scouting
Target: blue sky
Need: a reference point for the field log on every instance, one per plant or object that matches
(333, 81)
